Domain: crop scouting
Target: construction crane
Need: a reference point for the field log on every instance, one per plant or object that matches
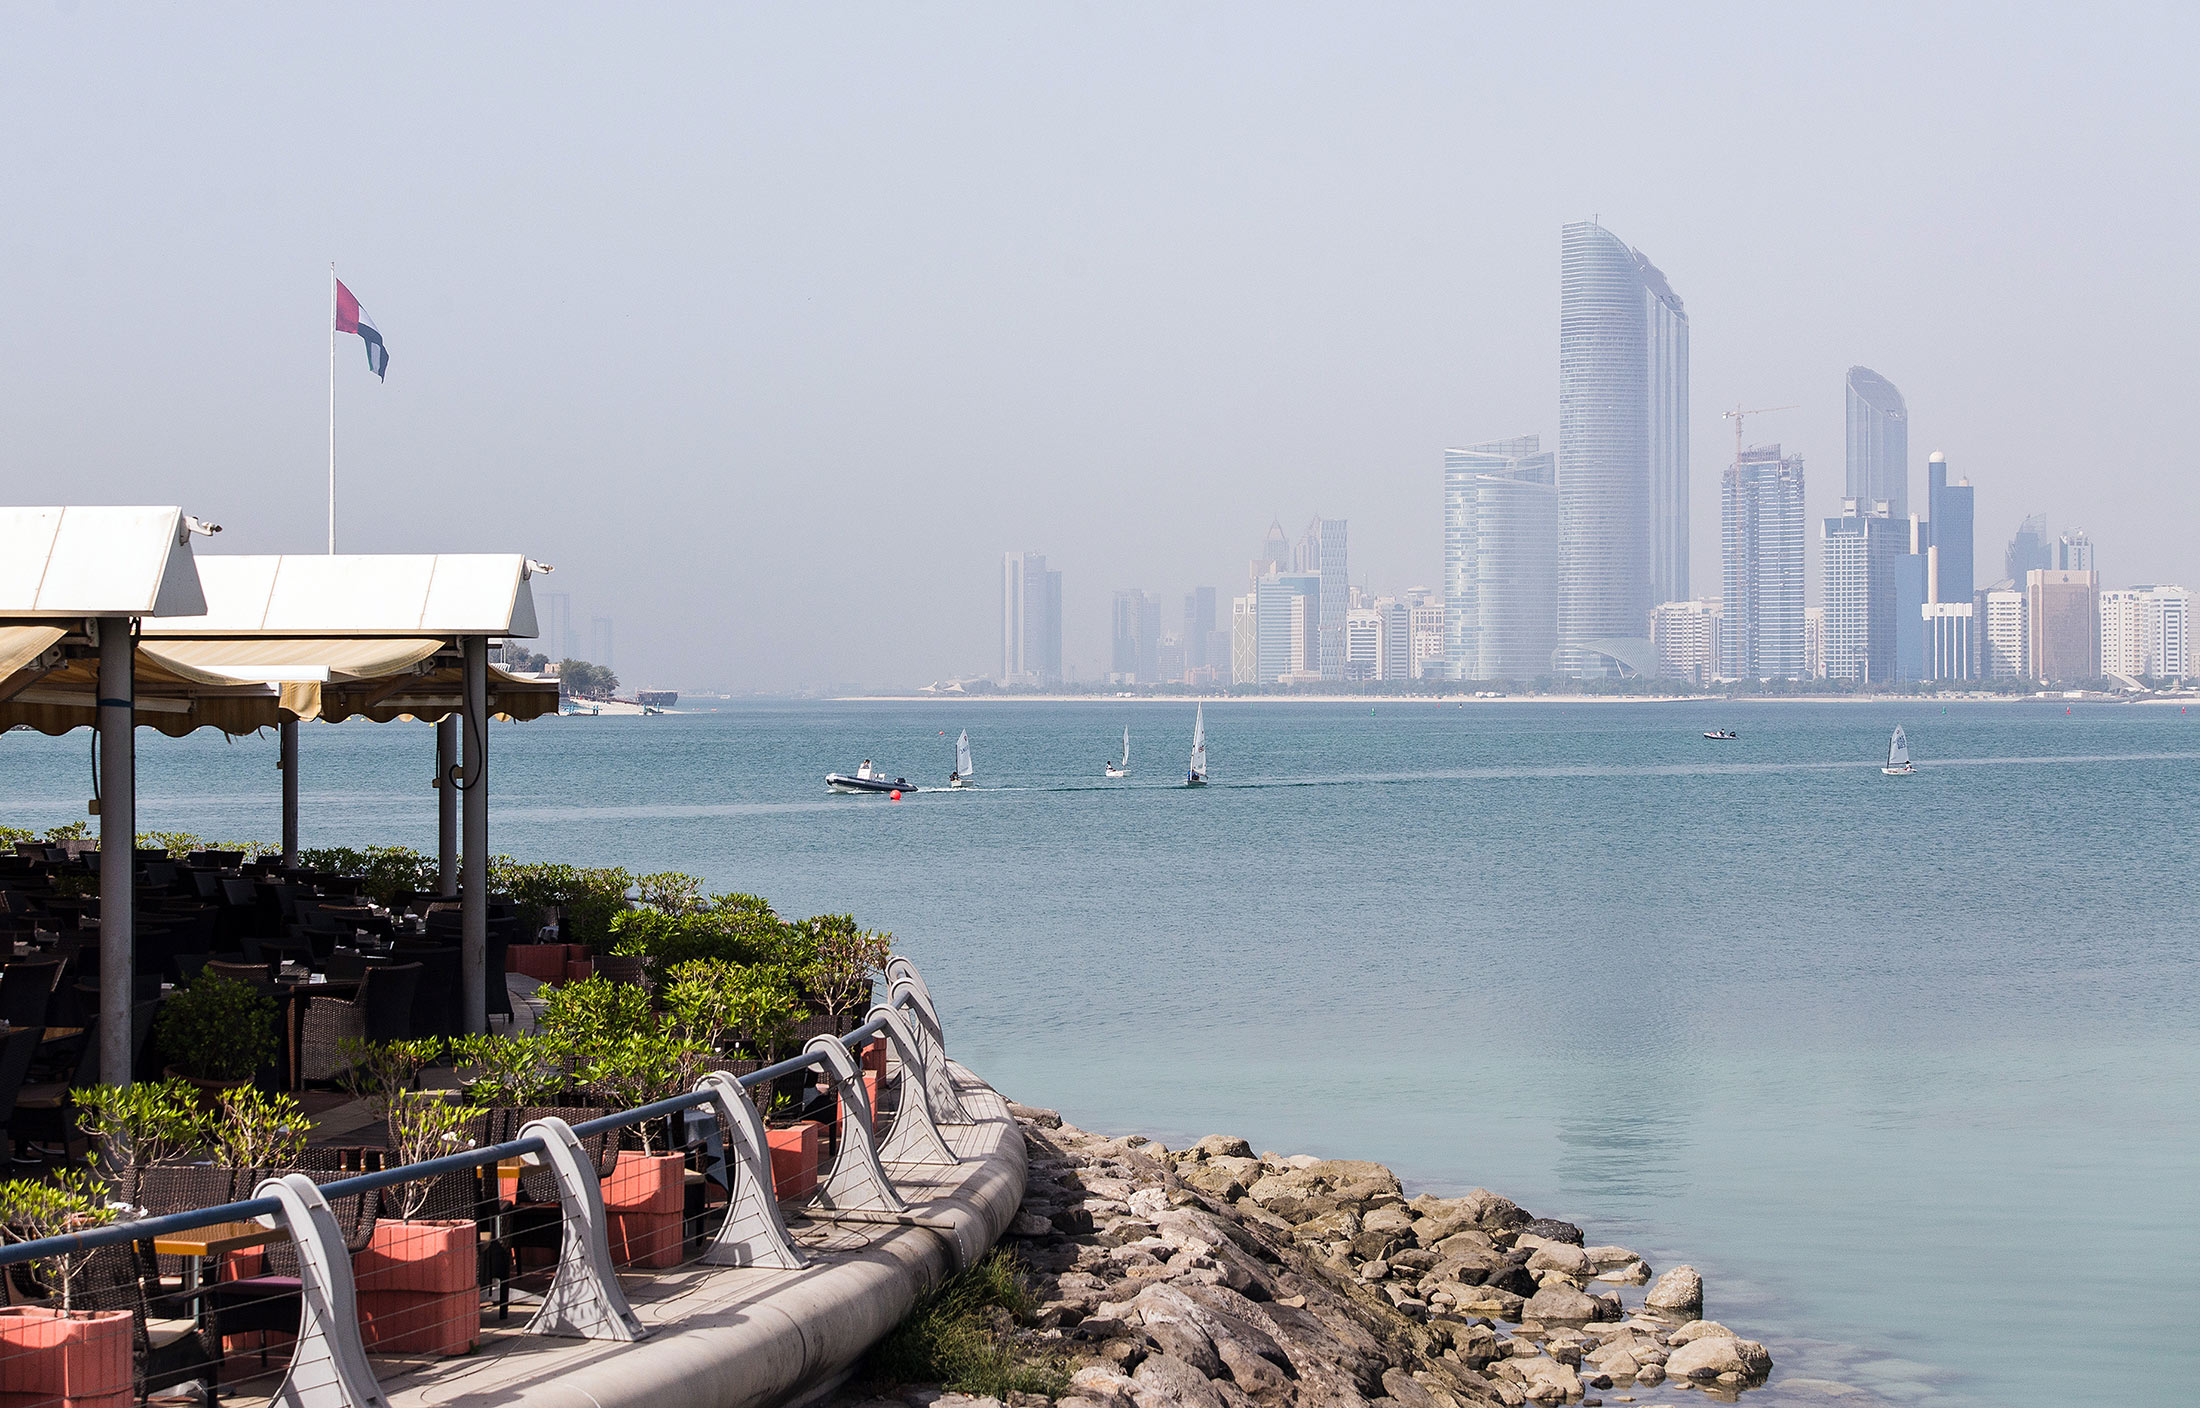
(1736, 415)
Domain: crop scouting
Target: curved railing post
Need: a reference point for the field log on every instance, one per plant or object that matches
(585, 1298)
(915, 1137)
(753, 1234)
(901, 970)
(856, 1180)
(939, 1082)
(328, 1368)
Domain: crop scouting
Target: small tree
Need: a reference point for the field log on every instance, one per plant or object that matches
(645, 1066)
(74, 1201)
(217, 1029)
(847, 958)
(257, 1130)
(376, 1071)
(424, 1125)
(136, 1125)
(506, 1072)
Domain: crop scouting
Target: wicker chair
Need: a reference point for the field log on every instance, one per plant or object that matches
(381, 1011)
(169, 1344)
(268, 1303)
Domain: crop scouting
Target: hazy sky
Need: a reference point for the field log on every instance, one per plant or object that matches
(773, 326)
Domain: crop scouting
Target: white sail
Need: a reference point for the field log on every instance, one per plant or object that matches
(962, 754)
(1898, 751)
(1126, 763)
(1199, 741)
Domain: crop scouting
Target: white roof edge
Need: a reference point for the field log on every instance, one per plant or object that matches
(76, 561)
(362, 595)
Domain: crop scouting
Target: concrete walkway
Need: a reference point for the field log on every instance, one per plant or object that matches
(739, 1337)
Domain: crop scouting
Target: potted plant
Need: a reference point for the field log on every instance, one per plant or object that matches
(416, 1277)
(254, 1130)
(131, 1126)
(216, 1033)
(794, 1147)
(57, 1354)
(646, 1194)
(846, 959)
(377, 1072)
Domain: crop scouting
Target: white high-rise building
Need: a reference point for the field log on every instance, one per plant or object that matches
(1244, 639)
(1685, 635)
(2146, 632)
(1949, 649)
(1031, 620)
(2005, 645)
(1363, 645)
(1814, 642)
(1425, 642)
(1762, 560)
(1500, 559)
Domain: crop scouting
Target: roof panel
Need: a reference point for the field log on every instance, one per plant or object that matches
(96, 561)
(453, 594)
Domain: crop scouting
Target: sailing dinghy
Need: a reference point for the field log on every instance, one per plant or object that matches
(1898, 756)
(1197, 776)
(960, 777)
(1122, 769)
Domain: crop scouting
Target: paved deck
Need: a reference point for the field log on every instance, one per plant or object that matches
(740, 1337)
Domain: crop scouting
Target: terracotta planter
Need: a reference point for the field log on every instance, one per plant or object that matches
(545, 962)
(651, 1183)
(420, 1322)
(78, 1359)
(429, 1257)
(578, 968)
(648, 1238)
(794, 1159)
(874, 1056)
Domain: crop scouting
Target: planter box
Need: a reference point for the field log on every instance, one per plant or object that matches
(578, 968)
(874, 1056)
(420, 1322)
(545, 962)
(646, 1183)
(79, 1360)
(794, 1160)
(648, 1238)
(430, 1257)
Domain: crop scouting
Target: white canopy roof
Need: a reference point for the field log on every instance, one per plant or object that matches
(355, 596)
(96, 561)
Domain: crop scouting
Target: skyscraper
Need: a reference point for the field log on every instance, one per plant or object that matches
(600, 645)
(1878, 442)
(1762, 566)
(1622, 450)
(1135, 638)
(2029, 551)
(2074, 552)
(2062, 611)
(1950, 507)
(1281, 624)
(1860, 552)
(2004, 642)
(2146, 632)
(1912, 585)
(1686, 635)
(1244, 639)
(1199, 624)
(1031, 620)
(1500, 559)
(1275, 553)
(1322, 553)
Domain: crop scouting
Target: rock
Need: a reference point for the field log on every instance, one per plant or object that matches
(1513, 1278)
(1030, 1114)
(1651, 1375)
(1553, 1229)
(1562, 1257)
(1214, 1179)
(1031, 1224)
(1491, 1212)
(1223, 1146)
(1371, 1245)
(1679, 1291)
(1487, 1300)
(1163, 1382)
(1346, 1173)
(1477, 1344)
(1560, 1302)
(1392, 1218)
(1125, 1354)
(1696, 1330)
(1634, 1273)
(1407, 1391)
(1338, 1226)
(1178, 1340)
(1715, 1355)
(1609, 1258)
(1544, 1378)
(1460, 1243)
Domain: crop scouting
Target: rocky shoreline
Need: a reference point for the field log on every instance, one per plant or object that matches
(1211, 1277)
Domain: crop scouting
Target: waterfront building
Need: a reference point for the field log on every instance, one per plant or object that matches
(1859, 566)
(1814, 642)
(1396, 659)
(1306, 618)
(1425, 641)
(1762, 565)
(1686, 636)
(1363, 645)
(1500, 559)
(1199, 625)
(1244, 640)
(2146, 632)
(1950, 507)
(2063, 625)
(1135, 656)
(1912, 590)
(2005, 640)
(1322, 554)
(1031, 620)
(1878, 442)
(1622, 499)
(2074, 552)
(1275, 552)
(1949, 648)
(2029, 550)
(1281, 622)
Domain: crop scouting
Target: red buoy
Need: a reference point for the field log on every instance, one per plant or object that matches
(894, 796)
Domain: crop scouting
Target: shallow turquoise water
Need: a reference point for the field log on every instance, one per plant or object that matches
(1907, 1067)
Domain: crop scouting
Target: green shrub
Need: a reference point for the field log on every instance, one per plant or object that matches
(844, 960)
(257, 1130)
(589, 899)
(135, 1125)
(216, 1029)
(74, 1200)
(957, 1335)
(727, 929)
(712, 1001)
(584, 1019)
(643, 1066)
(506, 1072)
(389, 871)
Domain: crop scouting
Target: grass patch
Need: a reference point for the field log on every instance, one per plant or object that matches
(960, 1335)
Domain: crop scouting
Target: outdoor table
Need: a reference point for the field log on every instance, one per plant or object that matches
(54, 1034)
(202, 1245)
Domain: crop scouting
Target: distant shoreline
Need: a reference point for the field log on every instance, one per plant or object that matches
(1372, 699)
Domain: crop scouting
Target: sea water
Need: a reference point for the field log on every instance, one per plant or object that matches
(1907, 1067)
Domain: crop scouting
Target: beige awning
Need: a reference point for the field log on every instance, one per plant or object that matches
(20, 645)
(261, 660)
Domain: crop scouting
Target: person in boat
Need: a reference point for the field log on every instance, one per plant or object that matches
(865, 770)
(953, 778)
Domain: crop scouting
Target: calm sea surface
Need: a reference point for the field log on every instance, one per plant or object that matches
(1907, 1067)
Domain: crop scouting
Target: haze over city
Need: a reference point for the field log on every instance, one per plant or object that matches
(772, 329)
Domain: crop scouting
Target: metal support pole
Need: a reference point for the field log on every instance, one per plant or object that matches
(287, 732)
(446, 806)
(473, 953)
(117, 844)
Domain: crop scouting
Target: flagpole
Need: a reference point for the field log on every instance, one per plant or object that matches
(332, 407)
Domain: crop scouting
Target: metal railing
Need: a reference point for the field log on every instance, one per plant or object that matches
(329, 1367)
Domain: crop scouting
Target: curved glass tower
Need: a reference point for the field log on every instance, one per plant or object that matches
(1879, 444)
(1622, 448)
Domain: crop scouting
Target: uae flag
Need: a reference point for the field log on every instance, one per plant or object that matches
(350, 317)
